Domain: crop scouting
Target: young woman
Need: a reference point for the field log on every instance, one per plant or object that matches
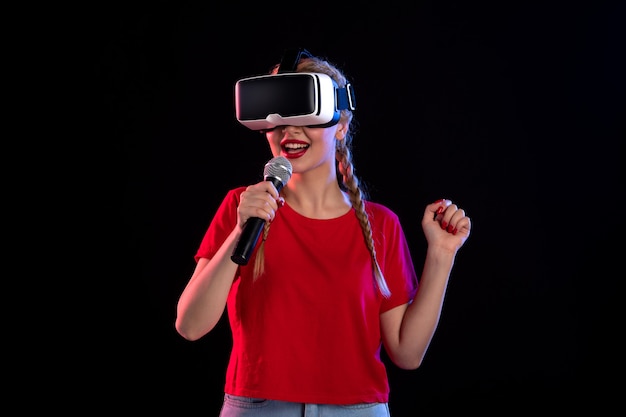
(330, 284)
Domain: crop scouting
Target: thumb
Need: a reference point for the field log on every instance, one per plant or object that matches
(435, 209)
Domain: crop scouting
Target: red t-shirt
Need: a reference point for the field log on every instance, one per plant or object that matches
(308, 330)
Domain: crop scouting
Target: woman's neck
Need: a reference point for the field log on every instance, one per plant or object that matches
(317, 199)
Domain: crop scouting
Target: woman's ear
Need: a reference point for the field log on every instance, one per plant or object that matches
(342, 130)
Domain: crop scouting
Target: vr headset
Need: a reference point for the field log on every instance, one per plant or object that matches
(291, 98)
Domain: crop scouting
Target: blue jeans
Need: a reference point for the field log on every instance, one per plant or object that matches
(235, 406)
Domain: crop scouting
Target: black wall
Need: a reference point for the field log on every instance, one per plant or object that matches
(515, 111)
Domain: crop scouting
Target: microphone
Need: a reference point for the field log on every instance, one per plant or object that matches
(278, 171)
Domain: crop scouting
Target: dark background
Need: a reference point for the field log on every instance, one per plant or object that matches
(512, 109)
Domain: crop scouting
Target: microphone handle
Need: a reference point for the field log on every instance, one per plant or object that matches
(251, 232)
(247, 240)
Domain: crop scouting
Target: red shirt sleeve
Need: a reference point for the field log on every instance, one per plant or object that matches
(222, 224)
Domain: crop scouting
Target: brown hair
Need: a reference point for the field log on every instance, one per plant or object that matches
(346, 177)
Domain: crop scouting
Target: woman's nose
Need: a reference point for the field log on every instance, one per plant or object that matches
(290, 128)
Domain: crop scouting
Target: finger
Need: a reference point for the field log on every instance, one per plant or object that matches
(446, 216)
(456, 216)
(458, 222)
(463, 227)
(269, 188)
(261, 193)
(435, 209)
(263, 206)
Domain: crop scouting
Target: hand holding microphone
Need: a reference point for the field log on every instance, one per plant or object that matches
(277, 171)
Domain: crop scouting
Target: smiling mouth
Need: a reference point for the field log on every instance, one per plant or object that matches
(295, 147)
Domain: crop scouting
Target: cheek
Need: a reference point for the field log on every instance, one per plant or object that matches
(273, 140)
(326, 135)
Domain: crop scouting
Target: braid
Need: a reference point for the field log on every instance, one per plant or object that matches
(351, 184)
(259, 260)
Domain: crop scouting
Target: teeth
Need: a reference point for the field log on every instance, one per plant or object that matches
(296, 146)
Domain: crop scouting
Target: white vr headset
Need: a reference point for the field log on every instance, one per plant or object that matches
(291, 98)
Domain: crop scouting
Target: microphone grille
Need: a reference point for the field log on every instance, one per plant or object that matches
(278, 167)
